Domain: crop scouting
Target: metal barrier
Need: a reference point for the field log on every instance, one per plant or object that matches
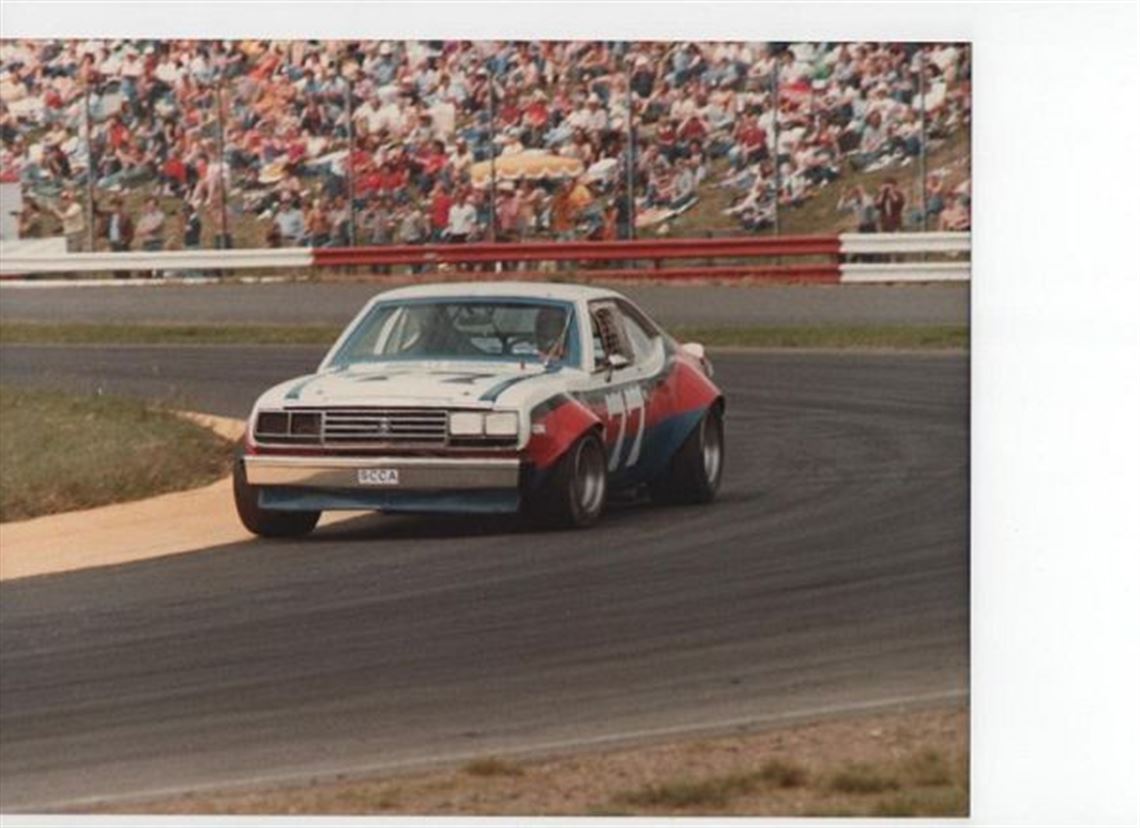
(592, 259)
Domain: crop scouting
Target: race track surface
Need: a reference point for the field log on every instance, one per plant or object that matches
(832, 573)
(333, 303)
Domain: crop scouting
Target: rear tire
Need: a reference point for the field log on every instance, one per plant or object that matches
(268, 523)
(694, 472)
(574, 494)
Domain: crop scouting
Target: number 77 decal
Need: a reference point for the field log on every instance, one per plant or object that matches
(625, 404)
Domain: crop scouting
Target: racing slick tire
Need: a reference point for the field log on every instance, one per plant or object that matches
(694, 472)
(574, 494)
(268, 523)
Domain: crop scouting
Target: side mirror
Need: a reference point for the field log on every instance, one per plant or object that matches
(611, 363)
(696, 349)
(617, 361)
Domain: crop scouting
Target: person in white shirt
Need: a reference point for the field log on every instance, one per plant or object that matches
(462, 220)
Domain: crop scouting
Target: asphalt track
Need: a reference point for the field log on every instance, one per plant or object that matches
(336, 303)
(831, 575)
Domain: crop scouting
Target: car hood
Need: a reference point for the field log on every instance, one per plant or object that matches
(452, 384)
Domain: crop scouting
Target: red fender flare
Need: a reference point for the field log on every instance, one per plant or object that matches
(555, 426)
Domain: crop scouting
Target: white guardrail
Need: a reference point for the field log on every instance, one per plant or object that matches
(879, 246)
(15, 262)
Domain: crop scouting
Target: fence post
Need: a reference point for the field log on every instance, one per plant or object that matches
(491, 141)
(922, 133)
(224, 240)
(90, 164)
(775, 83)
(631, 152)
(349, 171)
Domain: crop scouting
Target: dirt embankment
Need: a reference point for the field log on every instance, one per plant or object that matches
(892, 764)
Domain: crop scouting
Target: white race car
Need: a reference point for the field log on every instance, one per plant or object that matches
(485, 397)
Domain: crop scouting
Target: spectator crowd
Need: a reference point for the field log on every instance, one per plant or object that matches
(374, 142)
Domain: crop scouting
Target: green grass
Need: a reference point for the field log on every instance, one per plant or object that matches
(39, 333)
(928, 803)
(783, 774)
(928, 767)
(863, 778)
(828, 336)
(715, 792)
(492, 766)
(757, 336)
(60, 452)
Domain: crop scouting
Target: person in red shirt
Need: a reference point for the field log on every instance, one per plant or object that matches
(535, 118)
(439, 208)
(667, 138)
(751, 144)
(693, 129)
(391, 178)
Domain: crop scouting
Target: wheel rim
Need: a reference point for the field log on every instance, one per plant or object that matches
(589, 478)
(711, 448)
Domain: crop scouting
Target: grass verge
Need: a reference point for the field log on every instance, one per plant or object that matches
(932, 337)
(82, 333)
(891, 764)
(60, 452)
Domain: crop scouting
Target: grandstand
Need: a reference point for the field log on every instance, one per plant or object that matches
(146, 145)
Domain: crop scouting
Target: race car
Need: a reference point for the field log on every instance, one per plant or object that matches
(485, 398)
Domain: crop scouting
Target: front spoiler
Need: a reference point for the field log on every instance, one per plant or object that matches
(487, 485)
(396, 474)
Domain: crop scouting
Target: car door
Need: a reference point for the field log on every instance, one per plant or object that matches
(628, 364)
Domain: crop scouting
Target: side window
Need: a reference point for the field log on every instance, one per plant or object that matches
(641, 341)
(609, 334)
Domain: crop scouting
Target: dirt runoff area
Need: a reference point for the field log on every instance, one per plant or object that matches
(912, 763)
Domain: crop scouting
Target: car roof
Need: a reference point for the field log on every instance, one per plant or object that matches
(525, 290)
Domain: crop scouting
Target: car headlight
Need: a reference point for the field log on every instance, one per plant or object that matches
(502, 424)
(478, 424)
(465, 424)
(272, 422)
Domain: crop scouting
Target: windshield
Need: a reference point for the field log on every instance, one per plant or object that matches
(517, 330)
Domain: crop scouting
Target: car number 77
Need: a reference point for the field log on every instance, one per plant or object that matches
(623, 405)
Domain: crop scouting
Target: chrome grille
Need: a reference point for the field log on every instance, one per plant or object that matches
(356, 426)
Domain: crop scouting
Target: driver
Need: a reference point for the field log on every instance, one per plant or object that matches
(550, 333)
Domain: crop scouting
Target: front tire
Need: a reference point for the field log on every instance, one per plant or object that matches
(267, 523)
(694, 473)
(574, 494)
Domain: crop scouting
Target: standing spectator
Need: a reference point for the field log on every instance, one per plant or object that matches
(191, 226)
(507, 212)
(935, 196)
(890, 203)
(413, 229)
(440, 211)
(119, 228)
(413, 226)
(855, 200)
(289, 221)
(151, 224)
(318, 228)
(956, 216)
(70, 215)
(31, 221)
(461, 220)
(562, 215)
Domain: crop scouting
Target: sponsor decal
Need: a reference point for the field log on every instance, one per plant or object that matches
(378, 477)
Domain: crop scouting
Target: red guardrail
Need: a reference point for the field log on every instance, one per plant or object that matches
(654, 250)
